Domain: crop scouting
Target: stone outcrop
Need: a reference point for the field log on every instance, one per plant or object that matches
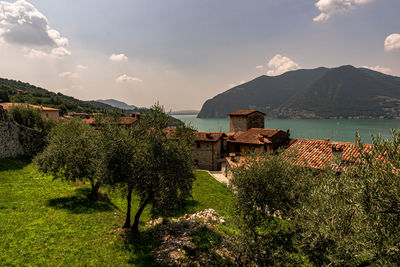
(17, 140)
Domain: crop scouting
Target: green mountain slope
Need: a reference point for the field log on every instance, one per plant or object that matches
(318, 93)
(17, 91)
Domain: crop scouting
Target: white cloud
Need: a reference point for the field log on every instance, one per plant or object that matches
(118, 58)
(22, 24)
(280, 64)
(331, 7)
(67, 74)
(392, 42)
(82, 67)
(259, 67)
(379, 69)
(127, 79)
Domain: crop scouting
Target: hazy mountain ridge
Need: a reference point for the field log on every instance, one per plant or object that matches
(117, 104)
(345, 91)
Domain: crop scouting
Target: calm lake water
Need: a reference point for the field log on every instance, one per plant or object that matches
(337, 130)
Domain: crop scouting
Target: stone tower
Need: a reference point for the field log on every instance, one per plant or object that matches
(243, 120)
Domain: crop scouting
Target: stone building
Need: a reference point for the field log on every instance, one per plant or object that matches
(256, 139)
(243, 120)
(51, 113)
(17, 140)
(208, 152)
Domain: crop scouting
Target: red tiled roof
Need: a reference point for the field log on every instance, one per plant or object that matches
(243, 112)
(318, 153)
(7, 105)
(208, 136)
(127, 120)
(255, 136)
(122, 120)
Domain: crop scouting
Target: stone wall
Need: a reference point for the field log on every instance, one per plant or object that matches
(246, 122)
(207, 155)
(17, 140)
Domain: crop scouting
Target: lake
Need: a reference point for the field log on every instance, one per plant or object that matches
(336, 130)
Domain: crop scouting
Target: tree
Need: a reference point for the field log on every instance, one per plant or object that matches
(354, 218)
(267, 190)
(167, 176)
(73, 153)
(32, 118)
(121, 162)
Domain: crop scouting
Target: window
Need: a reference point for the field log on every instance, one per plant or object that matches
(198, 144)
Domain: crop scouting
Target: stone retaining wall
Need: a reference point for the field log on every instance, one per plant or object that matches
(17, 140)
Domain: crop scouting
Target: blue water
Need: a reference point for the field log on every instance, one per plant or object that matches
(336, 130)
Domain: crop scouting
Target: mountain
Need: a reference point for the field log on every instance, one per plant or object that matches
(345, 92)
(117, 104)
(17, 91)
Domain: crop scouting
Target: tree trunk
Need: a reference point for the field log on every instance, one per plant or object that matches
(135, 226)
(128, 210)
(95, 189)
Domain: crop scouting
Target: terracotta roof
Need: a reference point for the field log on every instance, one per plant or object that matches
(255, 136)
(208, 136)
(127, 120)
(318, 153)
(122, 120)
(7, 105)
(243, 112)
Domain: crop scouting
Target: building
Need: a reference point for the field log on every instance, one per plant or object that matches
(321, 154)
(243, 120)
(122, 121)
(80, 115)
(208, 153)
(256, 140)
(51, 113)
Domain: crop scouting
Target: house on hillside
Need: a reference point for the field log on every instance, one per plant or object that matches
(51, 113)
(122, 121)
(256, 139)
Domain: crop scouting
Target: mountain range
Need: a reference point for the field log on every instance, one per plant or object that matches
(343, 92)
(117, 104)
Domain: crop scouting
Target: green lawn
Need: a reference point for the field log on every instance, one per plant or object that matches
(51, 222)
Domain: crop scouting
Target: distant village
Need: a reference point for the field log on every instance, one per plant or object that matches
(221, 151)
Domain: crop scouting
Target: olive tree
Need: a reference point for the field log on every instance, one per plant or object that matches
(167, 172)
(267, 189)
(73, 153)
(354, 218)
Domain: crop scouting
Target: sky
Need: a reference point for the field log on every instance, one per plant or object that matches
(183, 52)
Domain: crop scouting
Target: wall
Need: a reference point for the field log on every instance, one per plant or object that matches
(208, 155)
(50, 114)
(244, 123)
(17, 140)
(255, 120)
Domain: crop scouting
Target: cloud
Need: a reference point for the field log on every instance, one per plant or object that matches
(331, 7)
(392, 42)
(118, 58)
(379, 69)
(259, 67)
(82, 67)
(22, 24)
(67, 74)
(280, 64)
(127, 79)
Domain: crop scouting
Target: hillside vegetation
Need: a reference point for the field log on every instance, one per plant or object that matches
(316, 93)
(17, 91)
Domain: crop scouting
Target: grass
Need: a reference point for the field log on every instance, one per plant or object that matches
(51, 222)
